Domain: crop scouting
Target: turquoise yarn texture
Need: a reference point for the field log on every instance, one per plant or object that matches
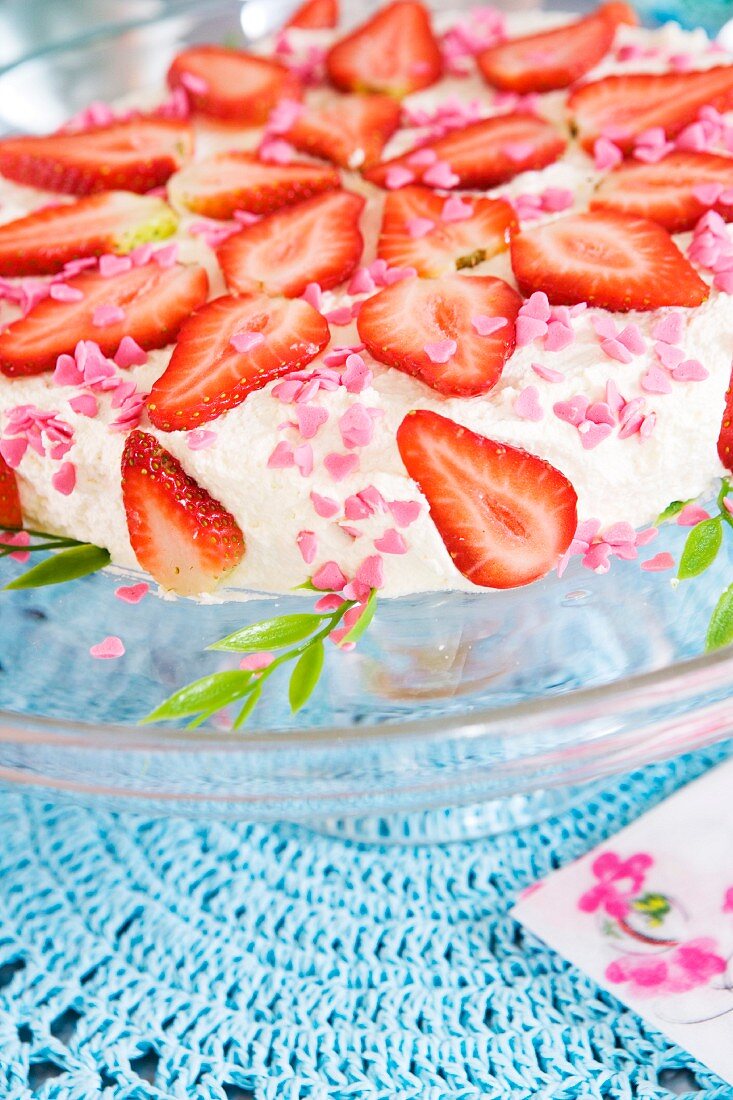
(153, 959)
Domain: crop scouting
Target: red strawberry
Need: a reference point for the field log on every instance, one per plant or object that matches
(315, 15)
(127, 156)
(505, 516)
(484, 153)
(315, 241)
(207, 375)
(394, 52)
(10, 511)
(404, 242)
(432, 330)
(556, 58)
(184, 538)
(155, 302)
(350, 131)
(230, 84)
(608, 260)
(665, 192)
(239, 181)
(620, 107)
(725, 439)
(113, 221)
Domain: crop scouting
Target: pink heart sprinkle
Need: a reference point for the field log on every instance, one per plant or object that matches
(546, 373)
(303, 459)
(391, 542)
(194, 83)
(325, 507)
(606, 154)
(632, 339)
(310, 418)
(529, 329)
(108, 649)
(282, 457)
(200, 439)
(691, 515)
(707, 193)
(440, 351)
(527, 405)
(67, 373)
(255, 662)
(669, 355)
(106, 315)
(600, 413)
(328, 603)
(356, 426)
(691, 370)
(555, 199)
(518, 151)
(423, 158)
(572, 410)
(419, 227)
(329, 578)
(340, 316)
(614, 349)
(308, 546)
(486, 326)
(456, 210)
(356, 377)
(85, 404)
(340, 466)
(313, 295)
(592, 434)
(404, 512)
(111, 265)
(166, 257)
(132, 593)
(64, 480)
(246, 341)
(356, 509)
(655, 381)
(373, 498)
(558, 336)
(12, 450)
(129, 353)
(362, 282)
(670, 329)
(394, 275)
(371, 572)
(398, 177)
(60, 292)
(440, 174)
(537, 306)
(658, 563)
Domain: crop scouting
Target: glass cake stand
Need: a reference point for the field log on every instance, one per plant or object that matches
(456, 714)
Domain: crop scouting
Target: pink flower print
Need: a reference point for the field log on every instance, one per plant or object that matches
(728, 900)
(618, 881)
(687, 967)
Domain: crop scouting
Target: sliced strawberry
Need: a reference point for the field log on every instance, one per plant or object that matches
(432, 330)
(552, 59)
(207, 375)
(316, 241)
(665, 192)
(126, 156)
(620, 107)
(315, 15)
(394, 52)
(725, 439)
(10, 510)
(155, 302)
(608, 260)
(112, 221)
(407, 241)
(184, 538)
(239, 181)
(351, 130)
(484, 153)
(230, 84)
(505, 516)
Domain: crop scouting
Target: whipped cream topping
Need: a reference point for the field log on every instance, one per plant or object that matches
(584, 390)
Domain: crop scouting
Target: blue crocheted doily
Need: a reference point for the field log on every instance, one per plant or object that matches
(165, 958)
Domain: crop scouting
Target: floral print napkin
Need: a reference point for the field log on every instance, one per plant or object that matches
(649, 915)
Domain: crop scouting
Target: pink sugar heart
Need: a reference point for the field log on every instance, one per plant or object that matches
(419, 227)
(246, 341)
(308, 546)
(670, 329)
(537, 306)
(456, 210)
(166, 257)
(632, 339)
(132, 593)
(658, 563)
(106, 315)
(655, 381)
(85, 404)
(129, 353)
(341, 466)
(325, 507)
(356, 377)
(527, 405)
(310, 419)
(108, 649)
(572, 410)
(64, 480)
(304, 460)
(441, 175)
(200, 439)
(614, 349)
(404, 512)
(518, 151)
(13, 450)
(546, 373)
(440, 351)
(371, 572)
(529, 329)
(707, 193)
(691, 370)
(391, 542)
(60, 292)
(600, 413)
(329, 578)
(669, 355)
(423, 158)
(282, 457)
(558, 336)
(67, 372)
(486, 326)
(606, 154)
(111, 265)
(356, 427)
(398, 177)
(362, 282)
(592, 434)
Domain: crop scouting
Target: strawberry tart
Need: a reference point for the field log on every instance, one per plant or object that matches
(424, 304)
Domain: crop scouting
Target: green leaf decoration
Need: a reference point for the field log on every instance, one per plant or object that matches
(206, 695)
(671, 511)
(362, 623)
(67, 565)
(270, 634)
(248, 707)
(701, 548)
(720, 630)
(654, 907)
(306, 675)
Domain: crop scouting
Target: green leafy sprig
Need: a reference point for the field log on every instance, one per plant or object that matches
(699, 552)
(300, 638)
(71, 559)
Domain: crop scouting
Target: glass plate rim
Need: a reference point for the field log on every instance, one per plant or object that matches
(469, 724)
